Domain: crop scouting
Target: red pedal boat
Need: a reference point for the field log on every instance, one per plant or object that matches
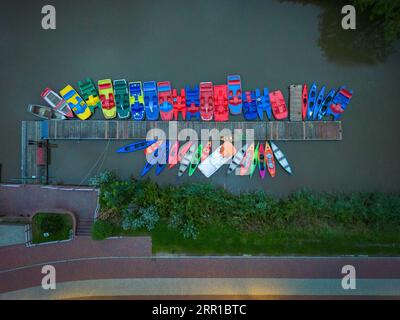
(278, 105)
(221, 109)
(304, 103)
(206, 101)
(179, 103)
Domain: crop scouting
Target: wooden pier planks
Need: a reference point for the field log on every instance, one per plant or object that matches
(128, 130)
(295, 102)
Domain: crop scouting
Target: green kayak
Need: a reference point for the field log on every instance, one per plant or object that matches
(254, 162)
(195, 160)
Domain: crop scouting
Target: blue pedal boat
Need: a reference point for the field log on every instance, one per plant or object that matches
(234, 94)
(263, 103)
(340, 102)
(192, 102)
(136, 100)
(249, 106)
(151, 100)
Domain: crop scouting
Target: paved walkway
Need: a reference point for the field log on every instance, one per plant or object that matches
(17, 200)
(11, 234)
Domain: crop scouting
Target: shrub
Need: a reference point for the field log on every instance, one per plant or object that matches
(103, 229)
(51, 223)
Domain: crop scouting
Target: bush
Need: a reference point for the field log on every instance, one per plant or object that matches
(102, 229)
(51, 223)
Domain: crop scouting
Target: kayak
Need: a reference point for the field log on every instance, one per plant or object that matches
(254, 161)
(140, 145)
(151, 161)
(280, 157)
(318, 103)
(195, 160)
(222, 155)
(173, 154)
(187, 159)
(326, 104)
(237, 159)
(278, 105)
(206, 151)
(269, 156)
(248, 157)
(163, 158)
(153, 147)
(312, 96)
(304, 103)
(182, 151)
(262, 167)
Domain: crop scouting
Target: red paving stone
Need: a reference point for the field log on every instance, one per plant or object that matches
(16, 200)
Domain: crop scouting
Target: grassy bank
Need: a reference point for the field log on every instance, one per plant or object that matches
(57, 227)
(202, 219)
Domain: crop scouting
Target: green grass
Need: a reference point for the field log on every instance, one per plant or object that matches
(59, 232)
(220, 240)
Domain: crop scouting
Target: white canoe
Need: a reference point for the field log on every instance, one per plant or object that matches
(281, 158)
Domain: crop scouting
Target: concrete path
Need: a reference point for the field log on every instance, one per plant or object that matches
(11, 234)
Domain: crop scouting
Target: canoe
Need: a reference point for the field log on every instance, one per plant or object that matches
(183, 150)
(150, 163)
(195, 160)
(222, 155)
(312, 96)
(262, 167)
(173, 154)
(206, 151)
(326, 104)
(153, 147)
(254, 161)
(318, 103)
(56, 102)
(187, 159)
(140, 145)
(237, 159)
(278, 105)
(45, 112)
(280, 157)
(162, 158)
(269, 156)
(246, 162)
(304, 103)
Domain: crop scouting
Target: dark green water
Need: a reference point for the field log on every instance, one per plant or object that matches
(269, 43)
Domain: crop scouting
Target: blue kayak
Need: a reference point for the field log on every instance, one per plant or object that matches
(312, 97)
(318, 103)
(326, 104)
(140, 145)
(150, 163)
(163, 157)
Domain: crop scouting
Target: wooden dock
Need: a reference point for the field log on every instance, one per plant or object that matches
(130, 130)
(36, 134)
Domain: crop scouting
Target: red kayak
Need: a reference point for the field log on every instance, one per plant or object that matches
(304, 103)
(278, 105)
(179, 103)
(173, 154)
(206, 101)
(153, 147)
(262, 168)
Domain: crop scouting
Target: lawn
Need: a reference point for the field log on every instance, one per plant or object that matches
(58, 227)
(220, 240)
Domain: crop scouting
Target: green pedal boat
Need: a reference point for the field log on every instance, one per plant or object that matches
(122, 98)
(89, 94)
(195, 160)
